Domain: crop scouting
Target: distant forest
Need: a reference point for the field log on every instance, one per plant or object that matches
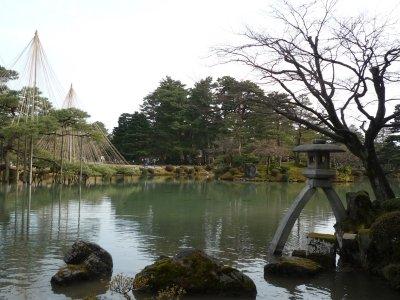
(223, 120)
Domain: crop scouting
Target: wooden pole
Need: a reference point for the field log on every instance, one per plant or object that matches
(54, 156)
(25, 159)
(80, 159)
(31, 161)
(6, 163)
(17, 170)
(35, 65)
(62, 155)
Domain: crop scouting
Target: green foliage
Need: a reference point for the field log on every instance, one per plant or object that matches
(241, 160)
(391, 205)
(132, 137)
(391, 273)
(105, 171)
(71, 118)
(344, 174)
(165, 109)
(385, 240)
(275, 172)
(389, 152)
(126, 170)
(178, 125)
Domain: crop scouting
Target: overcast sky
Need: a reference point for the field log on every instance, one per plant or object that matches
(116, 51)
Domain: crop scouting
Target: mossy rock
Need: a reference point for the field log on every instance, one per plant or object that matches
(359, 208)
(391, 205)
(326, 237)
(196, 273)
(392, 274)
(384, 248)
(292, 267)
(71, 274)
(361, 212)
(326, 261)
(85, 261)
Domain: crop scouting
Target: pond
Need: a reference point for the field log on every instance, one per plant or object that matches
(139, 221)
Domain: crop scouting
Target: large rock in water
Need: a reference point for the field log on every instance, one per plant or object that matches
(292, 267)
(195, 272)
(85, 261)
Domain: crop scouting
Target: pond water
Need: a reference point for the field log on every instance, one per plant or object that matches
(137, 222)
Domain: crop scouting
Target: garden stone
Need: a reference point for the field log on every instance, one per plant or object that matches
(85, 261)
(196, 273)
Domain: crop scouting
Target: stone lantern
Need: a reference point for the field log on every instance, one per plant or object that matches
(319, 175)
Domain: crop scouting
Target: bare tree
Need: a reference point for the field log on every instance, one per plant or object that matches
(344, 66)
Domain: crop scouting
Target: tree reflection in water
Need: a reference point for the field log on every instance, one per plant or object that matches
(140, 221)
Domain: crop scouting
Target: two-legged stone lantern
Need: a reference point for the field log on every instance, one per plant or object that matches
(318, 175)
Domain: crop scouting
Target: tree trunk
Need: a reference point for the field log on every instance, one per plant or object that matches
(377, 177)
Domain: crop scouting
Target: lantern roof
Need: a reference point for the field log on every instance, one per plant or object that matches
(319, 145)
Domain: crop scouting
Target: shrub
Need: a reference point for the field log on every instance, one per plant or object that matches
(296, 174)
(285, 178)
(104, 170)
(385, 241)
(125, 170)
(190, 171)
(275, 172)
(240, 160)
(392, 273)
(71, 168)
(226, 176)
(391, 204)
(169, 293)
(144, 172)
(234, 171)
(208, 167)
(221, 170)
(121, 284)
(284, 169)
(344, 173)
(169, 168)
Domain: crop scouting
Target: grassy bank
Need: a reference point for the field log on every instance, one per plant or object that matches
(287, 172)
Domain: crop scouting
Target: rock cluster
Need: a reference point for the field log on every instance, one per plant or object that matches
(370, 236)
(84, 261)
(320, 255)
(196, 273)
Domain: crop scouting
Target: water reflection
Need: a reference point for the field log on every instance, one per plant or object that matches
(140, 221)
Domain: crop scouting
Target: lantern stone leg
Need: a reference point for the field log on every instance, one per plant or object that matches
(319, 175)
(286, 224)
(337, 206)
